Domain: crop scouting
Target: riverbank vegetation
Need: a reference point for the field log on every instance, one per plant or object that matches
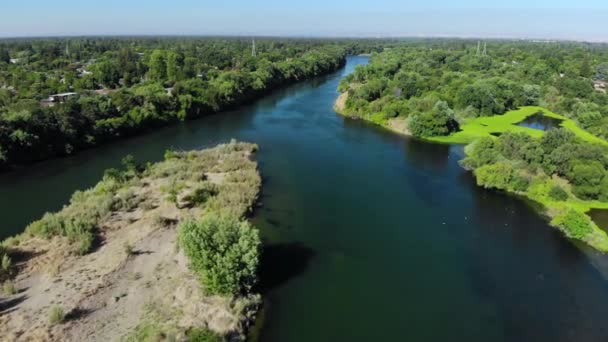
(451, 92)
(564, 173)
(411, 79)
(146, 249)
(58, 96)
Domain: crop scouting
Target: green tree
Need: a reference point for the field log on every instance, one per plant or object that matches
(574, 224)
(530, 95)
(498, 175)
(223, 251)
(439, 121)
(586, 70)
(4, 56)
(557, 193)
(175, 64)
(601, 72)
(107, 73)
(158, 66)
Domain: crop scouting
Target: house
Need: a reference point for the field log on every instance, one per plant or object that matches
(83, 72)
(104, 91)
(60, 97)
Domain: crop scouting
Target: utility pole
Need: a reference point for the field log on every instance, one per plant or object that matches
(253, 53)
(478, 48)
(485, 48)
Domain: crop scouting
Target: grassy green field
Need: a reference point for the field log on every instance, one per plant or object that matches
(488, 125)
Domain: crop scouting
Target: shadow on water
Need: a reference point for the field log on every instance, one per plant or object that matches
(426, 155)
(280, 263)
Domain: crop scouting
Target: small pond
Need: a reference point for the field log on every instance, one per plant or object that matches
(600, 217)
(540, 121)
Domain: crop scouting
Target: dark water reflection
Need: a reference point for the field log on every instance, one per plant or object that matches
(540, 122)
(369, 236)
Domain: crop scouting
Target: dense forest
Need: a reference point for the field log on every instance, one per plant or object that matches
(438, 83)
(116, 87)
(468, 92)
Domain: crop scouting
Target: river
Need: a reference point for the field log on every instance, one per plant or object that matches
(369, 236)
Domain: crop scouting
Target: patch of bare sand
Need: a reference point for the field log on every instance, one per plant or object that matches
(399, 125)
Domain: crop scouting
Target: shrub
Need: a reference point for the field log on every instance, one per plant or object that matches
(496, 175)
(574, 223)
(6, 263)
(202, 193)
(203, 335)
(557, 193)
(223, 251)
(439, 121)
(9, 288)
(520, 183)
(56, 315)
(128, 249)
(173, 189)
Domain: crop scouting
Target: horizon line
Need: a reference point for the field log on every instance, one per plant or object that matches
(311, 36)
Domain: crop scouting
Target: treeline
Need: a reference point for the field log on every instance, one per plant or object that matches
(557, 171)
(513, 161)
(411, 79)
(126, 86)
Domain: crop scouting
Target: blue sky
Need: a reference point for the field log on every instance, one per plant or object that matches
(581, 20)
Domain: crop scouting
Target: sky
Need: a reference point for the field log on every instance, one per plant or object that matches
(532, 19)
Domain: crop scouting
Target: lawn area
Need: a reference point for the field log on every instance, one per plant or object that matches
(487, 125)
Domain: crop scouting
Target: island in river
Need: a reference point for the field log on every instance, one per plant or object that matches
(109, 267)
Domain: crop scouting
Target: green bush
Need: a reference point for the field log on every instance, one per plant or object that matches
(519, 183)
(439, 121)
(202, 193)
(56, 315)
(574, 223)
(9, 288)
(557, 193)
(496, 175)
(6, 263)
(203, 335)
(223, 251)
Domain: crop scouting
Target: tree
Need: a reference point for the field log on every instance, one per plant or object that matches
(530, 95)
(158, 66)
(4, 56)
(498, 175)
(587, 178)
(555, 137)
(409, 84)
(601, 72)
(586, 68)
(439, 121)
(175, 64)
(107, 73)
(574, 224)
(481, 96)
(223, 251)
(557, 193)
